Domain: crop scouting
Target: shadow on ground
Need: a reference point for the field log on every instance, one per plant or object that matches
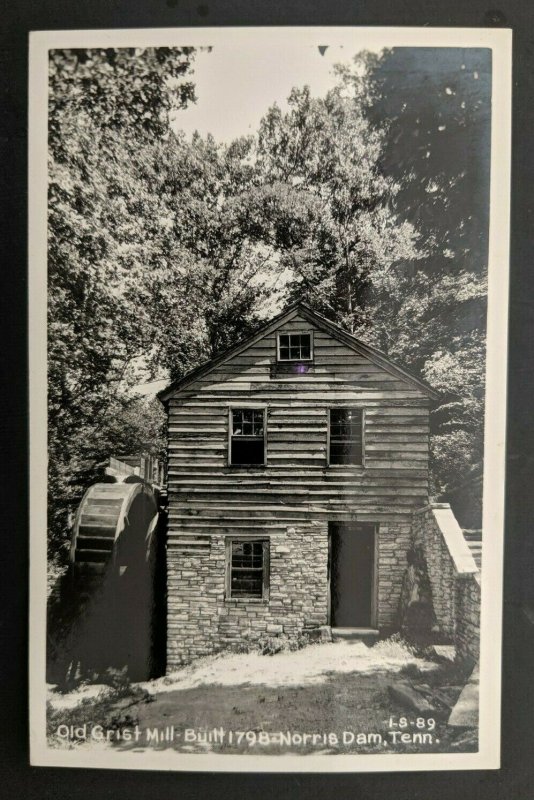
(324, 699)
(349, 713)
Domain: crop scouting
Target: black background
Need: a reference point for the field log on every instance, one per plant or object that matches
(17, 779)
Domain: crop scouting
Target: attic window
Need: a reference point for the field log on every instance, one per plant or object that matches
(295, 347)
(247, 436)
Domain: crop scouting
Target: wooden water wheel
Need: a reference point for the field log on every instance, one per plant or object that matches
(115, 522)
(112, 608)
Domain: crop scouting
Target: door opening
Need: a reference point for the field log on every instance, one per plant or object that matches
(352, 575)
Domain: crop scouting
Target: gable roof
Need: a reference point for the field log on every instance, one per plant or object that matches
(299, 309)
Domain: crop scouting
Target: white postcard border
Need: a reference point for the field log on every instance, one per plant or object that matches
(500, 42)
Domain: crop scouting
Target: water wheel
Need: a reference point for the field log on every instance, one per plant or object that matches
(114, 527)
(113, 595)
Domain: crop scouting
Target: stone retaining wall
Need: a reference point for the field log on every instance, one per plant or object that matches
(394, 539)
(467, 636)
(453, 575)
(440, 567)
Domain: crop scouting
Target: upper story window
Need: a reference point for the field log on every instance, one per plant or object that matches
(295, 347)
(346, 436)
(247, 436)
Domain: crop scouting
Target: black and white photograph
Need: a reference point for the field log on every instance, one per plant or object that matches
(268, 284)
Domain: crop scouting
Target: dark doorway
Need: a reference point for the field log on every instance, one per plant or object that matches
(352, 567)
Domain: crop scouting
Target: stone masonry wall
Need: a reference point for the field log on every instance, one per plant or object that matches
(453, 575)
(467, 636)
(202, 621)
(440, 567)
(393, 543)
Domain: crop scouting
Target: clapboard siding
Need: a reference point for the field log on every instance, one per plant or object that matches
(296, 486)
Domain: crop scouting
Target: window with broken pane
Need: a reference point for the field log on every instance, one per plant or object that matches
(247, 438)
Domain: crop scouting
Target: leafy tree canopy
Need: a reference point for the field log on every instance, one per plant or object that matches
(119, 88)
(433, 108)
(377, 198)
(435, 104)
(149, 270)
(330, 204)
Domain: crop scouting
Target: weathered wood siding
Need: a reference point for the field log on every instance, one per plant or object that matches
(296, 486)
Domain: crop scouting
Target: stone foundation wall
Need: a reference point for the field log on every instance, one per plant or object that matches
(202, 621)
(440, 566)
(394, 540)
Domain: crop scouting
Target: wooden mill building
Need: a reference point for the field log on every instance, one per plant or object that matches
(295, 462)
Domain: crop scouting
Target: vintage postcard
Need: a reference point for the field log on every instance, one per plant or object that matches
(268, 288)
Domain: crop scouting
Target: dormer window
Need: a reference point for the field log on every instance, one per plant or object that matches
(295, 347)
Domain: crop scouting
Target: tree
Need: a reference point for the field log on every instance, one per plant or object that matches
(205, 186)
(330, 205)
(149, 272)
(133, 89)
(376, 197)
(106, 229)
(434, 110)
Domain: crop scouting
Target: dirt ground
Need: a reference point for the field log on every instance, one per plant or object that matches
(325, 698)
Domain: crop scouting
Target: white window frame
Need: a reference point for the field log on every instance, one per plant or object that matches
(293, 360)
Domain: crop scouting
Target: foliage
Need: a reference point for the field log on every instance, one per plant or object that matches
(376, 198)
(280, 643)
(127, 88)
(329, 204)
(106, 230)
(436, 108)
(434, 112)
(149, 272)
(204, 185)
